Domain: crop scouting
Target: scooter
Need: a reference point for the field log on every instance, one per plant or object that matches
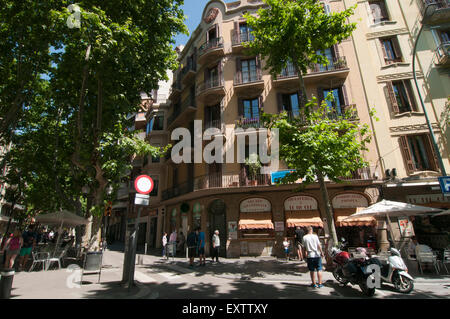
(352, 270)
(395, 272)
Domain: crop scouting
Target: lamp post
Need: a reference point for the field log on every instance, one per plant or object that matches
(109, 191)
(427, 13)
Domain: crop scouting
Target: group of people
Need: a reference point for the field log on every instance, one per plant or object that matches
(309, 246)
(195, 242)
(19, 244)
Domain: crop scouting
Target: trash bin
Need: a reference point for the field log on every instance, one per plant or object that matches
(7, 276)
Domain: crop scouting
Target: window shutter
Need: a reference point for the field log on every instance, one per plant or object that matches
(403, 140)
(206, 80)
(336, 52)
(410, 95)
(261, 103)
(394, 104)
(280, 102)
(430, 150)
(258, 67)
(344, 94)
(217, 30)
(384, 51)
(396, 46)
(237, 33)
(239, 70)
(240, 107)
(219, 71)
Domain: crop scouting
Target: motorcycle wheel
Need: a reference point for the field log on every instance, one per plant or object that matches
(406, 287)
(337, 273)
(369, 292)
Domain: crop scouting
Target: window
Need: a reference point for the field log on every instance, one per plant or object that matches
(331, 56)
(251, 108)
(158, 124)
(401, 96)
(444, 36)
(391, 50)
(418, 153)
(249, 72)
(290, 103)
(337, 103)
(245, 33)
(379, 11)
(212, 34)
(212, 116)
(212, 76)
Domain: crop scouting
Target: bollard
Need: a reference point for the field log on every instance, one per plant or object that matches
(7, 276)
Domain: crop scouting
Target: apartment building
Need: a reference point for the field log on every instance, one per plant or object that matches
(384, 41)
(220, 84)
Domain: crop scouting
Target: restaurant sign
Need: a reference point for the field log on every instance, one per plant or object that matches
(350, 201)
(252, 205)
(300, 203)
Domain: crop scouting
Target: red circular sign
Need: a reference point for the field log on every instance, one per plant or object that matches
(144, 184)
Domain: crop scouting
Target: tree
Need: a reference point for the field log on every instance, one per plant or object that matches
(72, 129)
(296, 31)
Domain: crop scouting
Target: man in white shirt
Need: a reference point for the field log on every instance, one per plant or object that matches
(314, 254)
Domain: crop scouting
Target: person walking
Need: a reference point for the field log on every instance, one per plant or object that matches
(164, 244)
(13, 246)
(201, 246)
(191, 242)
(216, 245)
(314, 254)
(29, 242)
(286, 248)
(299, 233)
(181, 242)
(173, 242)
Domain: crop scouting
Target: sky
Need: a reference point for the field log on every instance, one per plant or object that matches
(193, 10)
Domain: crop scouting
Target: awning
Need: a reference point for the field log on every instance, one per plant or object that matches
(303, 218)
(256, 221)
(341, 217)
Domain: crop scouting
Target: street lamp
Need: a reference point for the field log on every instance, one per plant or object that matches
(109, 191)
(427, 13)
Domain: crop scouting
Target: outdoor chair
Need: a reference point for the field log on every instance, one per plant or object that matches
(57, 257)
(39, 257)
(426, 257)
(92, 264)
(446, 258)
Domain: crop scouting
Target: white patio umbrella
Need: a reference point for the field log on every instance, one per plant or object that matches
(445, 212)
(63, 218)
(389, 208)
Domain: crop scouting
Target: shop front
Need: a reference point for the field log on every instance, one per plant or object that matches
(302, 211)
(359, 232)
(256, 228)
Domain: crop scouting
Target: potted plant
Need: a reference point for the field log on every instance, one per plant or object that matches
(254, 166)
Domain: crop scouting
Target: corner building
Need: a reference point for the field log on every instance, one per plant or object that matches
(224, 87)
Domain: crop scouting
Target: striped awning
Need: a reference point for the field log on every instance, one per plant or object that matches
(341, 217)
(261, 220)
(303, 218)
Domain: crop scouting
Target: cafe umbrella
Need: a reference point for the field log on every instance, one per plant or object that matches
(445, 212)
(62, 219)
(389, 209)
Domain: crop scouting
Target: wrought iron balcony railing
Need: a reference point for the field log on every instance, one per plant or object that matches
(210, 45)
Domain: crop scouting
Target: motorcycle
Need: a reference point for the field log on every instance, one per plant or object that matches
(352, 270)
(395, 272)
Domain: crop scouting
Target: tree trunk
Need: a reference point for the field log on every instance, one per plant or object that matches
(326, 200)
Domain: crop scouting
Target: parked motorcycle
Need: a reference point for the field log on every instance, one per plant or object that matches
(395, 272)
(352, 270)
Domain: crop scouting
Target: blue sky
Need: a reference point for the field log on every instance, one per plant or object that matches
(193, 10)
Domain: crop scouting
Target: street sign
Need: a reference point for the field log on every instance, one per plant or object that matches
(444, 181)
(144, 184)
(141, 199)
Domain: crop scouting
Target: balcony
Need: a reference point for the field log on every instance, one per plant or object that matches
(188, 107)
(210, 51)
(211, 90)
(336, 69)
(248, 84)
(175, 90)
(238, 39)
(248, 123)
(335, 114)
(434, 11)
(366, 174)
(188, 72)
(443, 54)
(212, 124)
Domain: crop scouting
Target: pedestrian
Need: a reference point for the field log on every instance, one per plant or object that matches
(173, 242)
(299, 233)
(164, 244)
(13, 246)
(201, 246)
(191, 242)
(216, 245)
(286, 247)
(181, 242)
(29, 242)
(314, 254)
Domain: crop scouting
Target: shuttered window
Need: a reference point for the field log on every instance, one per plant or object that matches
(418, 153)
(401, 96)
(391, 50)
(379, 11)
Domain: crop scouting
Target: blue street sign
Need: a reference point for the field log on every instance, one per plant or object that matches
(444, 181)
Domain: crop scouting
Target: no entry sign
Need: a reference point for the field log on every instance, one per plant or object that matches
(144, 184)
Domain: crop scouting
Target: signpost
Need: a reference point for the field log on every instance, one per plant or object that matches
(144, 185)
(444, 181)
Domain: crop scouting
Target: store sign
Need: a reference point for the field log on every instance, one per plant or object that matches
(406, 227)
(253, 205)
(279, 226)
(428, 198)
(300, 203)
(350, 201)
(232, 230)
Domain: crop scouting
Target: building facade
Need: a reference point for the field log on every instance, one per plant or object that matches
(221, 85)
